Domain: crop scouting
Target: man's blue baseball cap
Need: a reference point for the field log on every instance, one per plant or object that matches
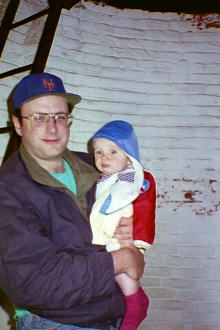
(41, 84)
(122, 133)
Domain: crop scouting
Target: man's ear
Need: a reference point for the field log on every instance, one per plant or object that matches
(17, 125)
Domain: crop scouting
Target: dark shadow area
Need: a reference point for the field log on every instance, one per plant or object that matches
(13, 143)
(14, 140)
(177, 6)
(6, 305)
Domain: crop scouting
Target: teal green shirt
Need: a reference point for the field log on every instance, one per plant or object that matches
(67, 178)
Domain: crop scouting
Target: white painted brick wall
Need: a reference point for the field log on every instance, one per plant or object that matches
(161, 73)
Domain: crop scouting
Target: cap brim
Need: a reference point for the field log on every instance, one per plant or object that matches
(71, 98)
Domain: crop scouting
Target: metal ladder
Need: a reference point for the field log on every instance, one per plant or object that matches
(53, 13)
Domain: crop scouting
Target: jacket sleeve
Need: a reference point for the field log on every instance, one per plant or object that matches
(35, 275)
(144, 213)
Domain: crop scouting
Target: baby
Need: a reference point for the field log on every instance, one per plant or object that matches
(123, 190)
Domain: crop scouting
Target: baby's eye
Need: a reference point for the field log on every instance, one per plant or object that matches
(114, 152)
(98, 153)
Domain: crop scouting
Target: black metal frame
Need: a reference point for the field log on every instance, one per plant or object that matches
(53, 13)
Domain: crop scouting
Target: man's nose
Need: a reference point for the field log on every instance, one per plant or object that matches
(51, 124)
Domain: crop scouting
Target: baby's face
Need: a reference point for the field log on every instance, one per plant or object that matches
(109, 158)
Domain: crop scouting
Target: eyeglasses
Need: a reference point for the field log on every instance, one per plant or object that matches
(39, 121)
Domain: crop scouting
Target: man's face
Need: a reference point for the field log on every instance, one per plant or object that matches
(47, 144)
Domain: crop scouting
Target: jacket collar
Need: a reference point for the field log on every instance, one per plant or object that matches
(85, 175)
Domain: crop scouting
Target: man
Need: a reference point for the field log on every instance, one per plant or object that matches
(48, 267)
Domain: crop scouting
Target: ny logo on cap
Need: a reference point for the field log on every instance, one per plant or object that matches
(49, 84)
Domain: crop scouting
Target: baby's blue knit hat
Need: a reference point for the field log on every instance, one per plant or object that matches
(122, 133)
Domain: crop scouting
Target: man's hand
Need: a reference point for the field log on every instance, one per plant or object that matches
(129, 260)
(124, 231)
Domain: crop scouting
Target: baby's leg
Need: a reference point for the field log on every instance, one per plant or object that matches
(128, 285)
(136, 302)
